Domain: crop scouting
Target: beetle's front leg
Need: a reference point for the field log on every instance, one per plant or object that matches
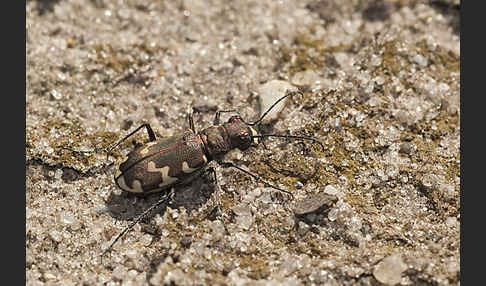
(218, 114)
(190, 118)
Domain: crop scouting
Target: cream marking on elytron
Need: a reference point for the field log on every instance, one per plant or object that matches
(166, 179)
(205, 159)
(147, 146)
(137, 186)
(187, 169)
(254, 133)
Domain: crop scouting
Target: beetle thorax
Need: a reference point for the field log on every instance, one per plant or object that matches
(235, 133)
(215, 140)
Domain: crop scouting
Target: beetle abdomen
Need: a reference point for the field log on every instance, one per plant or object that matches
(161, 164)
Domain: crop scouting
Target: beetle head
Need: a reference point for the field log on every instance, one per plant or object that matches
(240, 134)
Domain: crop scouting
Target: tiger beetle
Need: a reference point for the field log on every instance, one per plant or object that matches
(159, 165)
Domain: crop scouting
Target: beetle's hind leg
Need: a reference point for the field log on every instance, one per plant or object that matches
(143, 215)
(110, 148)
(150, 132)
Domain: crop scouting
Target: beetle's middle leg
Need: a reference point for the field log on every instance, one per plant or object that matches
(217, 212)
(231, 165)
(217, 196)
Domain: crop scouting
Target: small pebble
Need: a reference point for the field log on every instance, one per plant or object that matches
(402, 116)
(405, 148)
(55, 95)
(58, 174)
(49, 276)
(447, 190)
(313, 203)
(302, 228)
(451, 221)
(389, 270)
(332, 215)
(241, 209)
(379, 80)
(217, 230)
(306, 78)
(67, 218)
(244, 221)
(119, 272)
(269, 93)
(420, 60)
(331, 190)
(55, 235)
(376, 60)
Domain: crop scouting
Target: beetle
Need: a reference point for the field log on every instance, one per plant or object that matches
(161, 164)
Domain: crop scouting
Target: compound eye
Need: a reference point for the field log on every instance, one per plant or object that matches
(235, 118)
(244, 136)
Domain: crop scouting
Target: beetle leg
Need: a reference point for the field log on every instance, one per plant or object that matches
(190, 118)
(165, 198)
(113, 146)
(231, 165)
(217, 197)
(218, 114)
(150, 132)
(217, 211)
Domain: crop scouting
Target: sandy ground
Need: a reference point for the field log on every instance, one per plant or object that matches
(378, 204)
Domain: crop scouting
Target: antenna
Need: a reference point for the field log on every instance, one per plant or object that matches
(290, 136)
(273, 105)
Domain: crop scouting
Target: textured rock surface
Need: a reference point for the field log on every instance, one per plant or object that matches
(381, 91)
